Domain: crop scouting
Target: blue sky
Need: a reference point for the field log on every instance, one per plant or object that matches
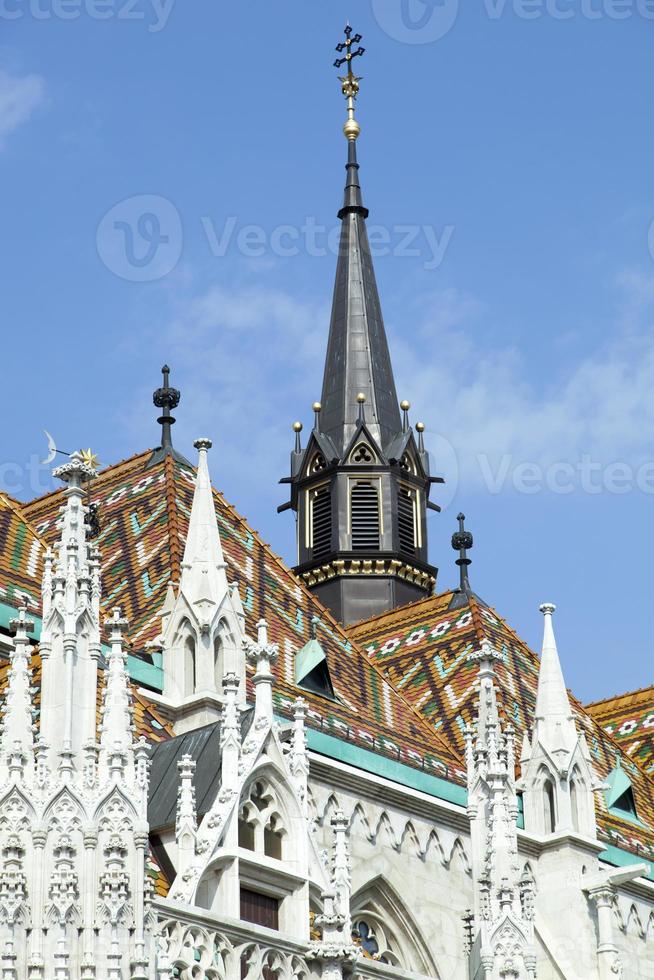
(506, 157)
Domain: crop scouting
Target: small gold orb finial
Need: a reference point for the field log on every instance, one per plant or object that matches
(351, 129)
(317, 407)
(361, 398)
(297, 427)
(420, 426)
(405, 405)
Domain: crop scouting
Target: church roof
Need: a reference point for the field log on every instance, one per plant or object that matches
(629, 719)
(404, 688)
(203, 746)
(423, 650)
(144, 516)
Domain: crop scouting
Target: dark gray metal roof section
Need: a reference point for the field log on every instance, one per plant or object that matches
(203, 745)
(358, 359)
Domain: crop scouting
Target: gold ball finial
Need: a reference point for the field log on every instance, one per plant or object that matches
(317, 407)
(405, 405)
(297, 427)
(351, 129)
(361, 398)
(420, 426)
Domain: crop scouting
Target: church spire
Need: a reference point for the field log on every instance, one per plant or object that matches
(361, 485)
(358, 358)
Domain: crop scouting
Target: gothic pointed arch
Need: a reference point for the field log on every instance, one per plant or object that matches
(384, 927)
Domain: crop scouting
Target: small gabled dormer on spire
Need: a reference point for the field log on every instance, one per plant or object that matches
(558, 780)
(202, 623)
(361, 485)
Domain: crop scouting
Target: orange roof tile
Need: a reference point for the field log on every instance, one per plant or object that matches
(629, 719)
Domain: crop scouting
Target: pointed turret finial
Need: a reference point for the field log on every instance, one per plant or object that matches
(204, 576)
(361, 401)
(166, 398)
(317, 409)
(297, 429)
(554, 720)
(17, 721)
(462, 541)
(405, 406)
(350, 82)
(420, 429)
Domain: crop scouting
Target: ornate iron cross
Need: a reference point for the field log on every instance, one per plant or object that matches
(346, 46)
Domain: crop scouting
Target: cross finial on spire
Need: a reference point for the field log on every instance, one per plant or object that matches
(462, 542)
(350, 82)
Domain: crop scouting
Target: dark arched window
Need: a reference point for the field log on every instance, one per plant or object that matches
(549, 804)
(189, 666)
(574, 803)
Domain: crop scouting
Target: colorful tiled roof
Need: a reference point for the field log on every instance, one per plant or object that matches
(423, 650)
(629, 718)
(144, 519)
(21, 556)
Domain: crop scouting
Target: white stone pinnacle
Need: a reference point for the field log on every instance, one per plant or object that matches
(17, 724)
(555, 727)
(204, 579)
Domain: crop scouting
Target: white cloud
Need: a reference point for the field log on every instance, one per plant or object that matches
(249, 361)
(601, 405)
(19, 97)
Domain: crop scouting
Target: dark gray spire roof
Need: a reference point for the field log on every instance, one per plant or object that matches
(358, 358)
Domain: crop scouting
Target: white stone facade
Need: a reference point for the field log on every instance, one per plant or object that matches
(428, 888)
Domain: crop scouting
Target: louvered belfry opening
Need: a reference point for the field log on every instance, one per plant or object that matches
(406, 519)
(321, 521)
(364, 510)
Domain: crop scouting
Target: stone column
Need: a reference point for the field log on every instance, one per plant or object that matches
(36, 965)
(140, 963)
(88, 899)
(607, 953)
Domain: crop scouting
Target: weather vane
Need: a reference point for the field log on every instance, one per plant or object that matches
(349, 82)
